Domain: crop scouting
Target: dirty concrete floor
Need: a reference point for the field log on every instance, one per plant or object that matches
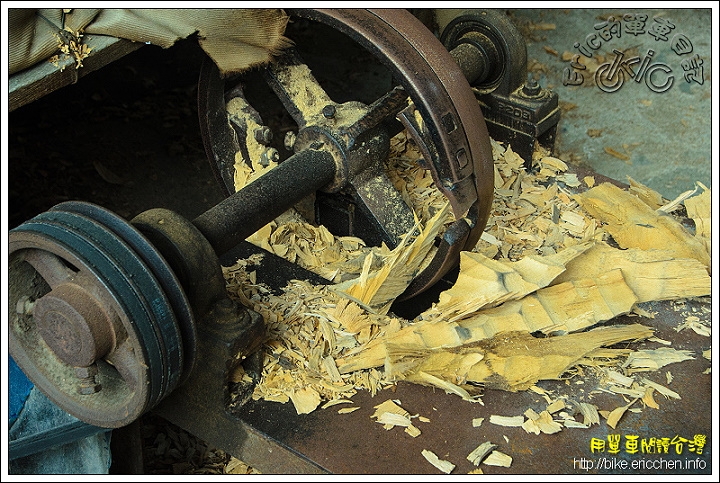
(659, 135)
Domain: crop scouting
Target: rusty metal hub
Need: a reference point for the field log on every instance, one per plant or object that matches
(74, 324)
(430, 85)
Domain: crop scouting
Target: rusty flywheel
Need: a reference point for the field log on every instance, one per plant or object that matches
(452, 134)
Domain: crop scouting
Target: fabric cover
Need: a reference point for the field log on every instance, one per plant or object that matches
(236, 39)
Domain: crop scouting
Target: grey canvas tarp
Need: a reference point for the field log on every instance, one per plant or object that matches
(236, 39)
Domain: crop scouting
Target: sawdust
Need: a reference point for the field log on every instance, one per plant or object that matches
(71, 46)
(541, 237)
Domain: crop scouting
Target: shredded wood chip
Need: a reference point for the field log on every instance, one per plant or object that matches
(442, 465)
(305, 400)
(543, 422)
(477, 455)
(589, 412)
(633, 224)
(617, 378)
(511, 421)
(614, 417)
(535, 268)
(668, 393)
(348, 410)
(648, 398)
(654, 359)
(693, 323)
(555, 406)
(498, 458)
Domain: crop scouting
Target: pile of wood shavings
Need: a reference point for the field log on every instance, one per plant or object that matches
(533, 212)
(311, 328)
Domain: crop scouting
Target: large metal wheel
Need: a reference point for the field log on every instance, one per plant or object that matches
(97, 320)
(431, 99)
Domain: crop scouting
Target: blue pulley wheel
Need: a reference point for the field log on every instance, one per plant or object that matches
(97, 319)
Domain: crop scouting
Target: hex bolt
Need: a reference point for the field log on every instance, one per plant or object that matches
(329, 111)
(263, 135)
(88, 380)
(271, 155)
(531, 88)
(290, 138)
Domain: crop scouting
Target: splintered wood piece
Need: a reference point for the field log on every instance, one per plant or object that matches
(509, 421)
(698, 208)
(654, 359)
(378, 288)
(484, 282)
(542, 423)
(651, 274)
(617, 378)
(498, 458)
(614, 417)
(443, 465)
(348, 410)
(648, 398)
(334, 402)
(426, 379)
(648, 195)
(392, 419)
(412, 431)
(510, 361)
(555, 406)
(668, 393)
(589, 413)
(389, 406)
(693, 323)
(305, 400)
(390, 414)
(633, 224)
(477, 455)
(565, 307)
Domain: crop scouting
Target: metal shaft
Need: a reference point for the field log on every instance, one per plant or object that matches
(245, 212)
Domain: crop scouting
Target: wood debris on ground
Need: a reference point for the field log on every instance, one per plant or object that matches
(477, 455)
(443, 465)
(535, 269)
(390, 414)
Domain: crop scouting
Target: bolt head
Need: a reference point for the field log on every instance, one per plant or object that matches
(263, 135)
(329, 111)
(531, 88)
(86, 371)
(88, 389)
